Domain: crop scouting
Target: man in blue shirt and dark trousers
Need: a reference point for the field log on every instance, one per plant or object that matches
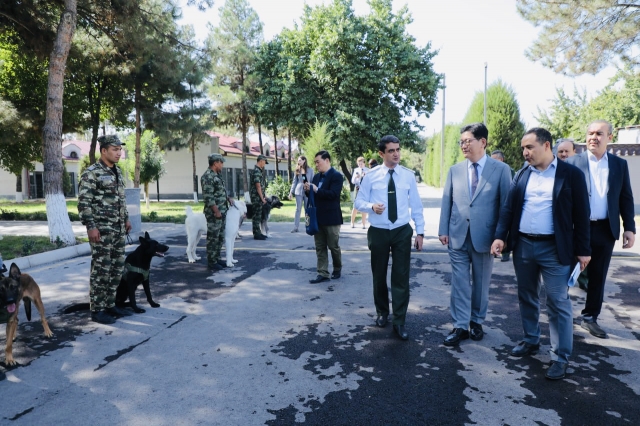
(387, 193)
(546, 222)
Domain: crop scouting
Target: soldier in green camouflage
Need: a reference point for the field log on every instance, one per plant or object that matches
(103, 210)
(216, 204)
(258, 186)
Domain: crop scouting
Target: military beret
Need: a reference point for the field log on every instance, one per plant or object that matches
(108, 140)
(262, 157)
(216, 157)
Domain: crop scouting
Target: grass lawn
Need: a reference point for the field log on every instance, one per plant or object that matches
(164, 211)
(12, 246)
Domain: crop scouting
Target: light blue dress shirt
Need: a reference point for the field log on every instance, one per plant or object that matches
(537, 212)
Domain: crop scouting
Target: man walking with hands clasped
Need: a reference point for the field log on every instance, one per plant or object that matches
(610, 197)
(474, 191)
(390, 195)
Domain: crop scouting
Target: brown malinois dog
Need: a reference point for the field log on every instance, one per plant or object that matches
(16, 287)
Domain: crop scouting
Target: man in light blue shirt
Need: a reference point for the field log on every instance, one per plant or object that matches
(390, 195)
(546, 223)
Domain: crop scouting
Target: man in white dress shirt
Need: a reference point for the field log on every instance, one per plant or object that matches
(390, 195)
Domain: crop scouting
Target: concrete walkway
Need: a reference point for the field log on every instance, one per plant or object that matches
(257, 344)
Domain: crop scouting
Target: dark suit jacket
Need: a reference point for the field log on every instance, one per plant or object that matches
(328, 197)
(570, 213)
(619, 197)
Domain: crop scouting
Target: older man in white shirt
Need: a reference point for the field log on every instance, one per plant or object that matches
(610, 198)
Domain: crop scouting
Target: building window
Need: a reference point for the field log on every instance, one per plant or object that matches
(73, 155)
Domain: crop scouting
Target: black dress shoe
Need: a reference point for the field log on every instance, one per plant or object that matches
(118, 312)
(382, 320)
(593, 328)
(102, 317)
(457, 335)
(319, 279)
(400, 331)
(476, 333)
(335, 275)
(260, 237)
(215, 267)
(524, 348)
(221, 263)
(557, 371)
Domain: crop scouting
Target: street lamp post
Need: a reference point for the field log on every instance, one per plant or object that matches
(485, 93)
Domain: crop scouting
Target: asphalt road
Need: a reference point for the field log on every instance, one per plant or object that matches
(257, 344)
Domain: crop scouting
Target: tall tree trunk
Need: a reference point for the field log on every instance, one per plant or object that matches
(245, 175)
(260, 136)
(136, 176)
(95, 106)
(57, 216)
(289, 170)
(19, 198)
(146, 194)
(192, 145)
(275, 147)
(347, 173)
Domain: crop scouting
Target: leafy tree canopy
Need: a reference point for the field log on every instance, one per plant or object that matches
(363, 75)
(503, 121)
(583, 36)
(617, 103)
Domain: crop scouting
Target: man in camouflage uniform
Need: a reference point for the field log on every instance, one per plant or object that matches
(258, 186)
(103, 210)
(216, 204)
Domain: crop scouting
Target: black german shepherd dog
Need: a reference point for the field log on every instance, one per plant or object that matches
(136, 272)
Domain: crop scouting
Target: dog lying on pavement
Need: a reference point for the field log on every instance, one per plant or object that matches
(136, 271)
(196, 227)
(18, 286)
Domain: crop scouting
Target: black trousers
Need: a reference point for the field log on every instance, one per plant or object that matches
(397, 240)
(602, 242)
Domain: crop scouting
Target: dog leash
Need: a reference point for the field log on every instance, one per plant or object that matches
(129, 239)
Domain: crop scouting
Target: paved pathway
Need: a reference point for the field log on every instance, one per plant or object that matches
(257, 344)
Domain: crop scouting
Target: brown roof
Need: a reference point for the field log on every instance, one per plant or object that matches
(229, 145)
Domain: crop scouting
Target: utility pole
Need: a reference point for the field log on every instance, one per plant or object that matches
(485, 93)
(442, 134)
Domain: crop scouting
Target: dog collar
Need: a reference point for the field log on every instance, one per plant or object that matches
(131, 268)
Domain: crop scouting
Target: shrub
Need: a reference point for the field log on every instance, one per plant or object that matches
(27, 246)
(279, 187)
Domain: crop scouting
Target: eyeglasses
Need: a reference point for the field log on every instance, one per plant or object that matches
(466, 142)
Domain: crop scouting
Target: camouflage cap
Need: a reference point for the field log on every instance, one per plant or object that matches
(108, 140)
(216, 157)
(262, 157)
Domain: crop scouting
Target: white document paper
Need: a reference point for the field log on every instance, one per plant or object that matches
(574, 275)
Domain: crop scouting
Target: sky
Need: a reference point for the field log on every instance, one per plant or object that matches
(467, 34)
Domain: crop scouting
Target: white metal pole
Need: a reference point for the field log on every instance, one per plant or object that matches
(485, 93)
(442, 136)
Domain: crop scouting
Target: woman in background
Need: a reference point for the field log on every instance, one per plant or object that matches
(356, 178)
(303, 174)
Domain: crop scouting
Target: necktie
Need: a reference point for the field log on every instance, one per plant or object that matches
(474, 179)
(392, 201)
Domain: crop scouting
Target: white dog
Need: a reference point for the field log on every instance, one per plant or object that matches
(196, 226)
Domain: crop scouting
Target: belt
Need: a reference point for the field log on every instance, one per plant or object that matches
(538, 237)
(599, 221)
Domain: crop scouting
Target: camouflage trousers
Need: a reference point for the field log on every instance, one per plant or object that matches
(257, 216)
(107, 263)
(215, 237)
